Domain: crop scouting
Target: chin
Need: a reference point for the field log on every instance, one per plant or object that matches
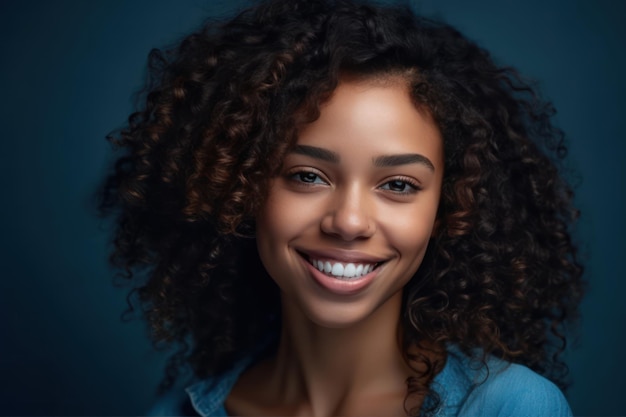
(340, 315)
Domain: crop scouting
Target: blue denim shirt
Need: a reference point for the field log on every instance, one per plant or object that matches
(465, 388)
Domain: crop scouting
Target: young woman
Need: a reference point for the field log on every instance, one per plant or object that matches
(335, 208)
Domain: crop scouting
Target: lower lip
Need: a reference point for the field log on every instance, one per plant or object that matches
(341, 286)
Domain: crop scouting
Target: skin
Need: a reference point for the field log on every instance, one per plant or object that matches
(361, 186)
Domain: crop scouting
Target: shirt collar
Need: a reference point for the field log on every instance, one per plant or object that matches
(455, 381)
(208, 396)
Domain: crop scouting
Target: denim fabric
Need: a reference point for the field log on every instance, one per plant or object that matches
(465, 388)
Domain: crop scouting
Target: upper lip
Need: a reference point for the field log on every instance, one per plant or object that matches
(341, 255)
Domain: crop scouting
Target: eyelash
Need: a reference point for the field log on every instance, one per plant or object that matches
(412, 185)
(297, 177)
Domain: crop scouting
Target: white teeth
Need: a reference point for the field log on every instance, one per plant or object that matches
(340, 270)
(349, 270)
(337, 270)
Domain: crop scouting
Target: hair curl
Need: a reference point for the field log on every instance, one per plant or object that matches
(223, 107)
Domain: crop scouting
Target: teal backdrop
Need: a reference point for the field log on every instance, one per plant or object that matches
(67, 74)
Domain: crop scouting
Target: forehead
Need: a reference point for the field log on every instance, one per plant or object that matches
(378, 115)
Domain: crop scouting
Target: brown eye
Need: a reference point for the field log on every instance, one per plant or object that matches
(306, 177)
(400, 187)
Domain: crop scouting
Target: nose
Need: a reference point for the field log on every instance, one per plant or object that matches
(349, 216)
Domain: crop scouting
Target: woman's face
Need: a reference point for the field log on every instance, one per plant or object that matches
(347, 223)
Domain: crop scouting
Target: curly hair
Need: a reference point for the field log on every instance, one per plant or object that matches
(501, 275)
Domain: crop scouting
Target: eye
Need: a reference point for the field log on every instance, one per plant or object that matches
(304, 177)
(401, 186)
(308, 177)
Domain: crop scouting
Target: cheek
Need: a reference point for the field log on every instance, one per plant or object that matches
(412, 239)
(283, 218)
(409, 232)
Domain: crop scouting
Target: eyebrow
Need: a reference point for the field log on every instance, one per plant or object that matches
(384, 161)
(317, 153)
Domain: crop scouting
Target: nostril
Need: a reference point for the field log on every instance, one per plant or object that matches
(348, 225)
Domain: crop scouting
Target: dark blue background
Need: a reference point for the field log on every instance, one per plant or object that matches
(67, 73)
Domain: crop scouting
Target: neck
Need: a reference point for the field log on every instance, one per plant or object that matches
(325, 370)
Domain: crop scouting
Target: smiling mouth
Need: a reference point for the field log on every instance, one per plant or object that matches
(342, 270)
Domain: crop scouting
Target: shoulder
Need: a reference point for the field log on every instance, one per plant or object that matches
(516, 391)
(174, 403)
(206, 397)
(203, 398)
(503, 389)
